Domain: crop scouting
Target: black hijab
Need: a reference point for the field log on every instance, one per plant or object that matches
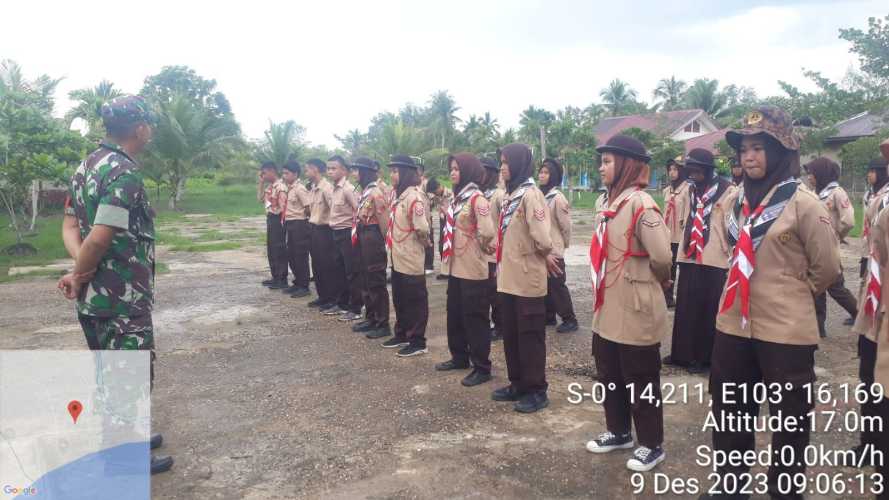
(471, 170)
(407, 177)
(518, 157)
(781, 164)
(555, 174)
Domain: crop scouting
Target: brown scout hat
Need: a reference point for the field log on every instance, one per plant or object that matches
(768, 120)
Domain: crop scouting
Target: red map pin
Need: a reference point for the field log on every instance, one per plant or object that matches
(74, 408)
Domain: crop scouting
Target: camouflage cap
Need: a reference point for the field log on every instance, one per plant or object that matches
(769, 120)
(127, 110)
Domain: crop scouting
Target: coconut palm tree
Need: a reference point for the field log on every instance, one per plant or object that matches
(442, 111)
(618, 96)
(88, 106)
(670, 92)
(283, 141)
(533, 124)
(354, 142)
(41, 89)
(705, 94)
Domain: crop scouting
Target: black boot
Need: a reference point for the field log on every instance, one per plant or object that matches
(160, 464)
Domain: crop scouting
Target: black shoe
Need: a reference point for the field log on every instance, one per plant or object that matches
(552, 322)
(644, 458)
(608, 441)
(475, 378)
(441, 277)
(451, 365)
(530, 403)
(290, 289)
(567, 327)
(395, 343)
(378, 332)
(508, 393)
(363, 327)
(160, 464)
(267, 282)
(411, 350)
(849, 321)
(279, 285)
(314, 303)
(156, 441)
(300, 292)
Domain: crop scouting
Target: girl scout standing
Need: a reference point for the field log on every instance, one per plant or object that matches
(630, 263)
(784, 251)
(823, 176)
(468, 232)
(881, 367)
(876, 179)
(369, 238)
(676, 208)
(703, 261)
(523, 245)
(407, 238)
(494, 193)
(558, 297)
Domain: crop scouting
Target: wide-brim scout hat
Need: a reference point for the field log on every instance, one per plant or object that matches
(768, 120)
(365, 163)
(625, 145)
(490, 163)
(402, 161)
(700, 158)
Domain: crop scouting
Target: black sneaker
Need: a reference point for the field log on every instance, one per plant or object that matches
(451, 365)
(279, 285)
(475, 378)
(552, 322)
(395, 343)
(508, 393)
(160, 464)
(567, 327)
(378, 332)
(411, 350)
(644, 459)
(441, 277)
(532, 402)
(608, 441)
(156, 441)
(267, 282)
(363, 326)
(349, 316)
(300, 292)
(333, 310)
(315, 303)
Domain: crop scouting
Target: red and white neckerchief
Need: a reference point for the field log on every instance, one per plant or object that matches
(873, 292)
(508, 210)
(365, 195)
(389, 228)
(743, 263)
(455, 207)
(599, 249)
(702, 209)
(828, 190)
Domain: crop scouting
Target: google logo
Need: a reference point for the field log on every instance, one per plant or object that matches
(29, 491)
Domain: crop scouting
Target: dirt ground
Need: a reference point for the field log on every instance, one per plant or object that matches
(259, 397)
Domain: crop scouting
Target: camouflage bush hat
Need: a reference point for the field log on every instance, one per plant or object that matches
(768, 120)
(679, 161)
(126, 111)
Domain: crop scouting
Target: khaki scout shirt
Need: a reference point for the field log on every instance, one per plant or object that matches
(473, 233)
(798, 257)
(880, 234)
(298, 201)
(634, 310)
(496, 202)
(274, 197)
(344, 205)
(410, 232)
(678, 216)
(864, 324)
(717, 252)
(526, 243)
(375, 210)
(842, 215)
(322, 201)
(560, 221)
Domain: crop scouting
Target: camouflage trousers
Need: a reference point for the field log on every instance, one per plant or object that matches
(119, 333)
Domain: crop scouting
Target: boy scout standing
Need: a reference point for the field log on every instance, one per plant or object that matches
(407, 238)
(342, 213)
(823, 176)
(369, 238)
(109, 231)
(274, 198)
(322, 247)
(296, 228)
(676, 209)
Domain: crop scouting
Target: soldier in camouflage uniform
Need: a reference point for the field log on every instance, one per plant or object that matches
(109, 230)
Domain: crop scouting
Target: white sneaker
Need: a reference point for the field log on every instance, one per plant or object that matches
(608, 441)
(644, 459)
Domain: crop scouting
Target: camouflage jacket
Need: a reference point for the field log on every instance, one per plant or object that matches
(107, 189)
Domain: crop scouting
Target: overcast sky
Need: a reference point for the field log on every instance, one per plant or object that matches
(332, 65)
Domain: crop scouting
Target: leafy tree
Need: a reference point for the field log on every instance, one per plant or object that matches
(670, 91)
(704, 94)
(396, 137)
(283, 141)
(442, 113)
(872, 47)
(533, 124)
(856, 155)
(354, 142)
(618, 96)
(88, 107)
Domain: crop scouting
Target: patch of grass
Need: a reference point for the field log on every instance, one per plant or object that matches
(207, 247)
(47, 239)
(161, 268)
(48, 273)
(203, 196)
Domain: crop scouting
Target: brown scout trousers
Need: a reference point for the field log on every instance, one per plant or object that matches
(372, 252)
(298, 241)
(523, 326)
(469, 334)
(274, 242)
(637, 369)
(346, 271)
(322, 263)
(411, 301)
(558, 297)
(739, 360)
(841, 295)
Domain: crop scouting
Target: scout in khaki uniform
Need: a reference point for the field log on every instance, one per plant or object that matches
(881, 368)
(676, 208)
(322, 248)
(296, 228)
(494, 193)
(876, 179)
(823, 176)
(439, 200)
(630, 265)
(467, 237)
(342, 214)
(272, 193)
(407, 238)
(523, 244)
(558, 297)
(784, 250)
(369, 238)
(703, 262)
